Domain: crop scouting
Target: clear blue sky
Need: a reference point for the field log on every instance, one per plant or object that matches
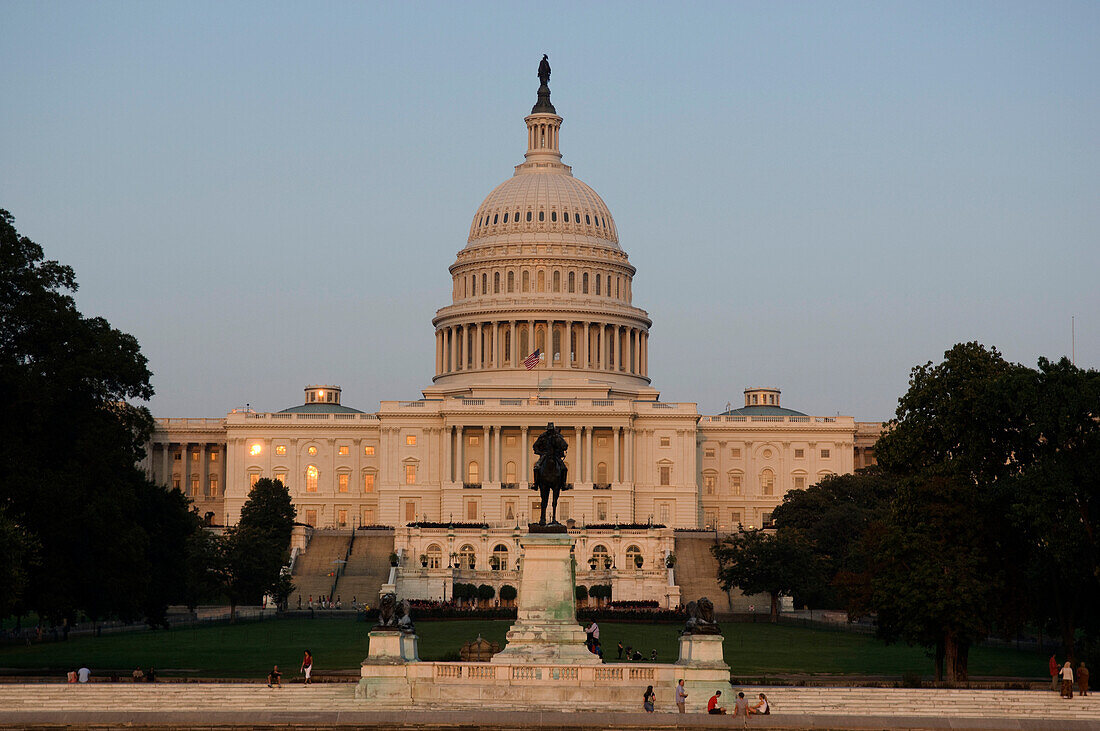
(816, 195)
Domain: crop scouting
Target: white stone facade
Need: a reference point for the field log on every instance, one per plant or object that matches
(542, 270)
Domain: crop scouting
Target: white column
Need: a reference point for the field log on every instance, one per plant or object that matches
(479, 361)
(204, 484)
(628, 462)
(524, 478)
(618, 348)
(166, 454)
(448, 455)
(584, 348)
(498, 460)
(486, 469)
(615, 457)
(512, 346)
(589, 461)
(461, 454)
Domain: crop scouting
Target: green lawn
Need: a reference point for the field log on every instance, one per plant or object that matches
(249, 649)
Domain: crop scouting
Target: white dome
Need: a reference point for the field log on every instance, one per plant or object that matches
(545, 201)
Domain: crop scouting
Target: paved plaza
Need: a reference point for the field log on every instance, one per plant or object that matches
(207, 705)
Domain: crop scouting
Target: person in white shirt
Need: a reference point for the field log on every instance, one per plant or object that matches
(1067, 680)
(83, 674)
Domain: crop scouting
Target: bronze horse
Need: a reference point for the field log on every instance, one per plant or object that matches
(550, 470)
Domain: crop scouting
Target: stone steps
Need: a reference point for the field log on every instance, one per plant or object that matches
(188, 697)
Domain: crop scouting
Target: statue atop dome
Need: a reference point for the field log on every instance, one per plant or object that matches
(543, 105)
(544, 70)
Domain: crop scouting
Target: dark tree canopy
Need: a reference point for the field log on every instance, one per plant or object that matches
(257, 548)
(759, 562)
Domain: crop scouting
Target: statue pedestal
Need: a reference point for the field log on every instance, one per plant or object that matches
(702, 651)
(546, 629)
(383, 676)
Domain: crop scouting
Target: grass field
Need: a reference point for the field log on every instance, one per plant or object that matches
(249, 649)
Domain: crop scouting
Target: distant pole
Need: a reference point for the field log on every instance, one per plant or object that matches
(1072, 340)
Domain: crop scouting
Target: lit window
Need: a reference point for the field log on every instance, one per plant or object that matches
(666, 441)
(253, 479)
(368, 482)
(410, 440)
(824, 454)
(214, 487)
(194, 456)
(280, 451)
(666, 475)
(195, 486)
(410, 474)
(176, 483)
(320, 395)
(369, 450)
(342, 482)
(214, 456)
(281, 477)
(312, 451)
(342, 451)
(342, 518)
(255, 449)
(799, 453)
(311, 479)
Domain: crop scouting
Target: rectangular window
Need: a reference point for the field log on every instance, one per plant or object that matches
(410, 440)
(177, 456)
(799, 483)
(735, 452)
(766, 520)
(666, 441)
(799, 453)
(280, 450)
(663, 512)
(369, 450)
(194, 486)
(176, 483)
(410, 511)
(194, 456)
(342, 518)
(471, 510)
(342, 482)
(214, 487)
(281, 477)
(368, 482)
(767, 482)
(666, 475)
(368, 516)
(735, 484)
(410, 474)
(602, 441)
(563, 510)
(735, 518)
(709, 482)
(214, 456)
(509, 510)
(709, 452)
(475, 440)
(824, 454)
(709, 519)
(253, 479)
(601, 510)
(311, 518)
(342, 451)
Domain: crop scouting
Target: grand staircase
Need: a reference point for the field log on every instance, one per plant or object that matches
(314, 570)
(368, 567)
(697, 572)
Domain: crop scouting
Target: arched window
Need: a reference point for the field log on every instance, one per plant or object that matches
(467, 557)
(510, 472)
(507, 345)
(506, 217)
(495, 217)
(557, 280)
(617, 282)
(511, 281)
(767, 482)
(572, 282)
(540, 281)
(311, 478)
(597, 284)
(634, 557)
(600, 558)
(556, 349)
(496, 282)
(587, 220)
(499, 561)
(473, 473)
(528, 216)
(435, 556)
(553, 216)
(584, 283)
(601, 473)
(542, 216)
(526, 280)
(515, 218)
(484, 283)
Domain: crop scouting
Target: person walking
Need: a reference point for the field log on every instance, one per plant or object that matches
(681, 696)
(1067, 680)
(1083, 678)
(649, 699)
(307, 666)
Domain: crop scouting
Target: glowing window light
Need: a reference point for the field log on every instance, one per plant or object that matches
(255, 450)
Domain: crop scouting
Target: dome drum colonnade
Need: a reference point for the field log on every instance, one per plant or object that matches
(542, 270)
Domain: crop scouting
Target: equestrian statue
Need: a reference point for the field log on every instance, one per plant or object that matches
(550, 470)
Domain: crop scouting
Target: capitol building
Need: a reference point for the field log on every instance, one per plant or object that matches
(543, 274)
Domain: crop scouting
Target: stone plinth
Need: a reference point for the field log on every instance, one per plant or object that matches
(546, 629)
(702, 651)
(384, 676)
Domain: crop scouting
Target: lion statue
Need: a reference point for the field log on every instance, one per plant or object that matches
(387, 612)
(700, 618)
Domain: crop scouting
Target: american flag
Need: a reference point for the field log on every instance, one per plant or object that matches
(533, 360)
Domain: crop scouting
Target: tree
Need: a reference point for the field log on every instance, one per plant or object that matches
(834, 517)
(257, 548)
(18, 559)
(69, 443)
(757, 562)
(485, 592)
(580, 592)
(508, 593)
(204, 578)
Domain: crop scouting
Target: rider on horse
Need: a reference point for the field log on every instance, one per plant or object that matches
(550, 469)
